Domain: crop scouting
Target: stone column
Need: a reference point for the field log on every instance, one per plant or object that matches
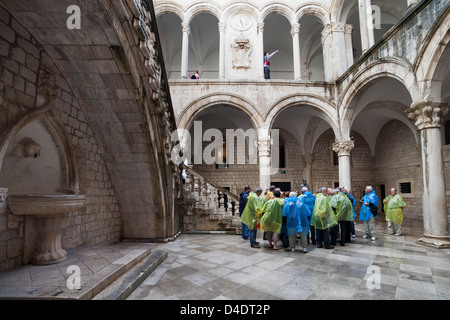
(296, 45)
(260, 54)
(185, 51)
(367, 36)
(334, 50)
(307, 174)
(343, 148)
(428, 118)
(222, 50)
(348, 30)
(264, 154)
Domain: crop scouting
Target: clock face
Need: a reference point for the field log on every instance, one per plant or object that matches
(241, 21)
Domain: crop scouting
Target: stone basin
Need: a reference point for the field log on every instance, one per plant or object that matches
(51, 214)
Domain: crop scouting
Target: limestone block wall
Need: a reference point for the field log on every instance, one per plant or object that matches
(397, 159)
(21, 59)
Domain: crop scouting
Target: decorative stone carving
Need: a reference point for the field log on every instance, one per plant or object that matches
(241, 53)
(426, 114)
(343, 147)
(46, 89)
(26, 148)
(264, 147)
(241, 21)
(52, 214)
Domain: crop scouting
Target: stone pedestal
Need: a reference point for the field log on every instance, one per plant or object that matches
(51, 215)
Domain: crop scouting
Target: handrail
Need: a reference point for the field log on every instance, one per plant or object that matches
(215, 185)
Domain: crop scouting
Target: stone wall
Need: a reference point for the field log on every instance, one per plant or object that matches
(397, 159)
(21, 59)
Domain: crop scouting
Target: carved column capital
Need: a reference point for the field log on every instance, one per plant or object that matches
(185, 27)
(295, 29)
(264, 147)
(426, 114)
(308, 160)
(260, 27)
(222, 27)
(343, 147)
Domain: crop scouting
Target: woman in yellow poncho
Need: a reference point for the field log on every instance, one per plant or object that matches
(251, 215)
(393, 207)
(323, 218)
(272, 219)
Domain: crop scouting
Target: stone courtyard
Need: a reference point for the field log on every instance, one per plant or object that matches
(219, 266)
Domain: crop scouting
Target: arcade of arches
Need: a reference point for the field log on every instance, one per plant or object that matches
(87, 116)
(341, 94)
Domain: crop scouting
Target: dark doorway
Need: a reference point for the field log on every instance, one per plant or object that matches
(284, 186)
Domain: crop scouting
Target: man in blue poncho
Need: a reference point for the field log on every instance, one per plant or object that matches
(309, 199)
(368, 212)
(296, 213)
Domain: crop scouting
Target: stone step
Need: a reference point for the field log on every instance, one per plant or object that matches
(99, 267)
(128, 282)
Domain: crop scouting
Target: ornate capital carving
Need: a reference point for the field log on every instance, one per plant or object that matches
(426, 114)
(308, 160)
(222, 27)
(264, 147)
(343, 147)
(295, 29)
(261, 27)
(185, 27)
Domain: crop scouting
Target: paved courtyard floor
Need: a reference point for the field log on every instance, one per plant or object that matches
(225, 267)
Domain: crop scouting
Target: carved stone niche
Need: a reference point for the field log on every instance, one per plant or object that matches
(26, 148)
(241, 53)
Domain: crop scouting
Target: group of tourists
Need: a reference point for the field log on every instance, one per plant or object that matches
(322, 219)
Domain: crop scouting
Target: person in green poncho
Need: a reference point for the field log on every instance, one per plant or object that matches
(323, 218)
(251, 215)
(342, 206)
(393, 207)
(272, 219)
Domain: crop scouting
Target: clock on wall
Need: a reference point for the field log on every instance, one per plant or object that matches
(241, 21)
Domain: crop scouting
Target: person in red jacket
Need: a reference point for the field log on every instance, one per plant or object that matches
(267, 57)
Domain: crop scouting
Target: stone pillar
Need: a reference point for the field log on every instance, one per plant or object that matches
(307, 173)
(365, 13)
(185, 51)
(428, 118)
(334, 50)
(260, 54)
(264, 154)
(348, 30)
(222, 50)
(343, 148)
(296, 45)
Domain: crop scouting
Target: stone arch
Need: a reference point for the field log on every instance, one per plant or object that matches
(376, 70)
(169, 7)
(430, 57)
(325, 109)
(281, 9)
(66, 152)
(316, 10)
(196, 9)
(193, 109)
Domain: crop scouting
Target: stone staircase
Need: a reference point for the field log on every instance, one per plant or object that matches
(207, 207)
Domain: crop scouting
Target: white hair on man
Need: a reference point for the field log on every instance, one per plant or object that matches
(370, 188)
(304, 189)
(292, 194)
